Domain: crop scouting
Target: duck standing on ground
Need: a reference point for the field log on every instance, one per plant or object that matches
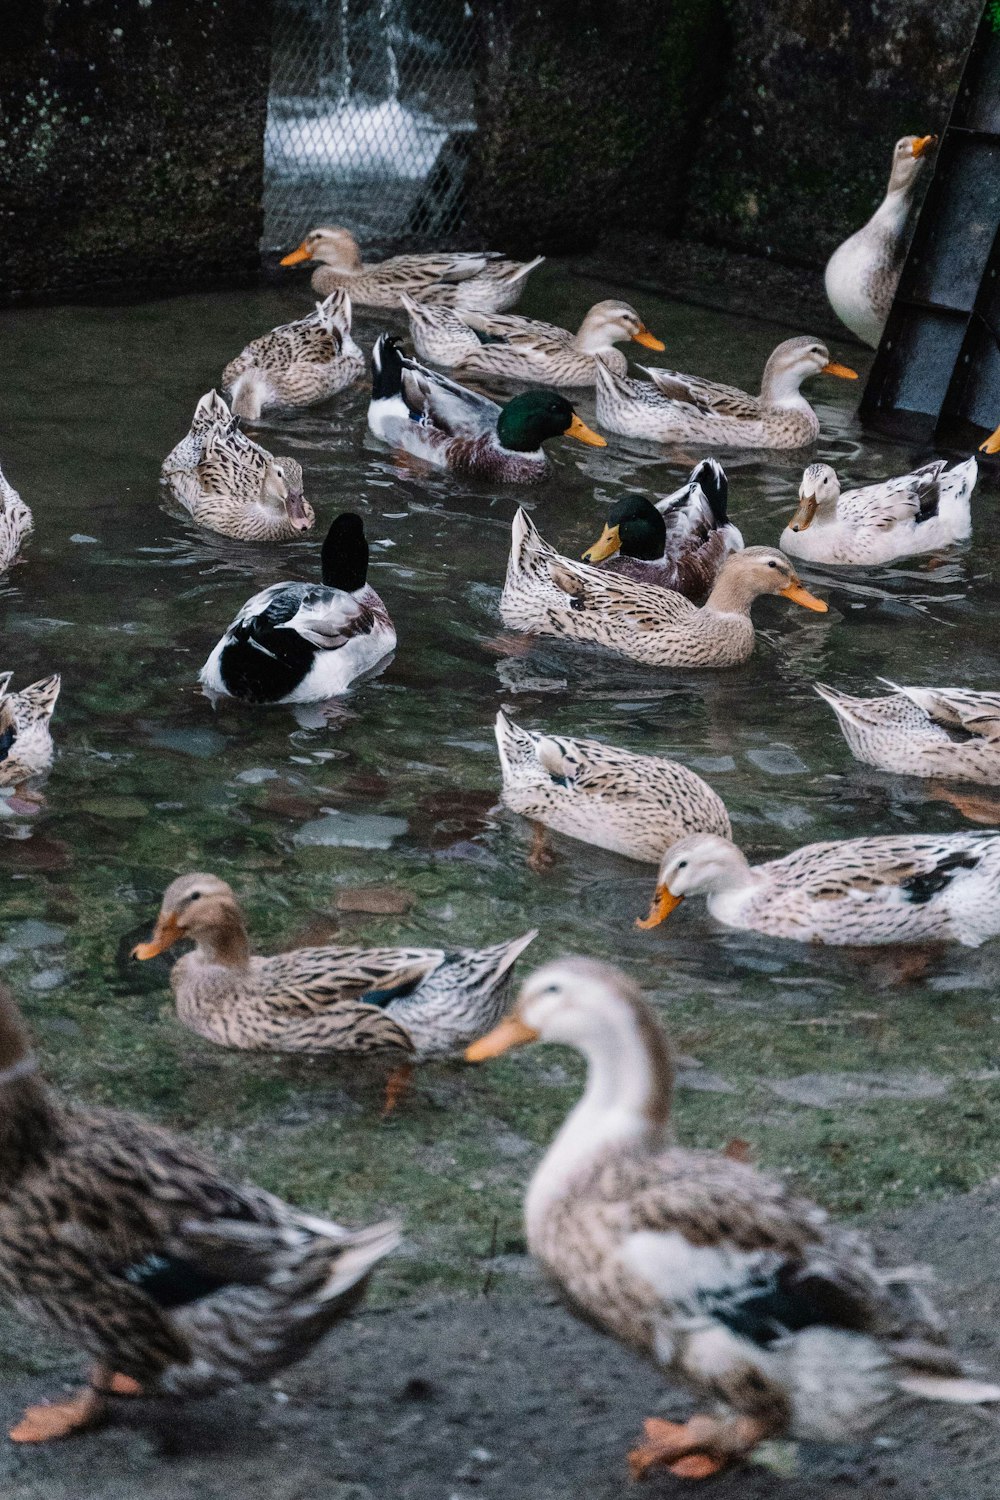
(547, 594)
(903, 517)
(411, 1004)
(296, 364)
(673, 408)
(16, 524)
(862, 274)
(306, 642)
(431, 417)
(26, 748)
(477, 279)
(524, 349)
(899, 888)
(120, 1237)
(680, 543)
(717, 1273)
(636, 805)
(948, 732)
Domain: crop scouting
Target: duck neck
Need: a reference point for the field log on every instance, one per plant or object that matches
(29, 1123)
(594, 337)
(225, 943)
(892, 213)
(733, 593)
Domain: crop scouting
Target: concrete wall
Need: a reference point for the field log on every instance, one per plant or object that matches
(132, 143)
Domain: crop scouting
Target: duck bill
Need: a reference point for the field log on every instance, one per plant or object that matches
(843, 372)
(799, 595)
(649, 340)
(302, 253)
(923, 144)
(803, 517)
(511, 1032)
(663, 903)
(606, 546)
(296, 511)
(584, 434)
(992, 444)
(165, 935)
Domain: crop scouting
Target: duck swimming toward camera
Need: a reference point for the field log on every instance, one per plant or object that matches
(296, 364)
(431, 417)
(306, 642)
(720, 1275)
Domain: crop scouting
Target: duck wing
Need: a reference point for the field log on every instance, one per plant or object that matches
(510, 328)
(911, 497)
(896, 871)
(444, 404)
(706, 396)
(639, 605)
(977, 714)
(307, 981)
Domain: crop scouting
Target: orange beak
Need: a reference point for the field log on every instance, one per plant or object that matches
(583, 434)
(511, 1032)
(923, 144)
(606, 545)
(802, 596)
(165, 935)
(844, 371)
(648, 340)
(663, 903)
(302, 253)
(992, 444)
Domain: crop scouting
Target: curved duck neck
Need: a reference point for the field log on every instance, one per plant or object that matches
(225, 943)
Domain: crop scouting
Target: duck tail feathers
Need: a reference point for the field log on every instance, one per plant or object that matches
(387, 368)
(515, 746)
(358, 1255)
(713, 482)
(959, 1389)
(520, 272)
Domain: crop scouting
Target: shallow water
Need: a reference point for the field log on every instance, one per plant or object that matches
(870, 1075)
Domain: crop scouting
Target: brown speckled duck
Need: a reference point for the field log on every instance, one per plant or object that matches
(296, 364)
(719, 1274)
(122, 1238)
(16, 524)
(26, 747)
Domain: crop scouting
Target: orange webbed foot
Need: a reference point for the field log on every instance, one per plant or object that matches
(396, 1087)
(58, 1419)
(123, 1385)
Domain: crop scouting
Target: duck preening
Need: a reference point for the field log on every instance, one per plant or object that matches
(296, 364)
(16, 524)
(120, 1237)
(721, 1275)
(431, 417)
(306, 642)
(26, 747)
(862, 274)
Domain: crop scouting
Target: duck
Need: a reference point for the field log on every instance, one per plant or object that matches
(431, 417)
(720, 1275)
(679, 543)
(16, 524)
(895, 888)
(636, 805)
(26, 748)
(902, 517)
(673, 408)
(949, 732)
(306, 642)
(233, 486)
(410, 1004)
(862, 274)
(121, 1238)
(547, 594)
(485, 344)
(477, 279)
(296, 364)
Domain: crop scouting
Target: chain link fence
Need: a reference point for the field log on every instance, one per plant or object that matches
(369, 118)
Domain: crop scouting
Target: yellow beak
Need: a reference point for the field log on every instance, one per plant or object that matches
(992, 444)
(648, 340)
(844, 371)
(511, 1032)
(165, 935)
(802, 596)
(302, 253)
(583, 434)
(923, 144)
(606, 546)
(663, 903)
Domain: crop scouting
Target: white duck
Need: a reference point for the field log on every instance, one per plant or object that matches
(862, 274)
(950, 732)
(717, 1273)
(915, 513)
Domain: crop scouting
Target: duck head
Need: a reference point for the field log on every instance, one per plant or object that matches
(634, 527)
(528, 420)
(820, 488)
(203, 909)
(793, 362)
(345, 554)
(612, 322)
(282, 492)
(332, 245)
(908, 157)
(746, 575)
(701, 864)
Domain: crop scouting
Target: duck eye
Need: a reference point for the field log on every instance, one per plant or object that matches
(683, 865)
(195, 896)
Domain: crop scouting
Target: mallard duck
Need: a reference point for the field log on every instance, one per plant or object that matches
(915, 513)
(720, 1275)
(26, 748)
(524, 349)
(672, 408)
(120, 1237)
(296, 364)
(451, 278)
(901, 888)
(862, 274)
(412, 1004)
(432, 417)
(232, 485)
(546, 594)
(680, 543)
(306, 642)
(16, 524)
(948, 732)
(636, 805)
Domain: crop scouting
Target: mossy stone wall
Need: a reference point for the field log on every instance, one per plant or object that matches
(131, 143)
